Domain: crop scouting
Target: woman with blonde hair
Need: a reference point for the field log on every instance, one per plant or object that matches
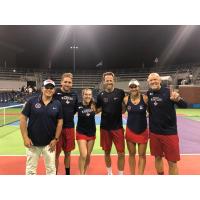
(86, 129)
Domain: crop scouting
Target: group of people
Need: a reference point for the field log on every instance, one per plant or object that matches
(51, 126)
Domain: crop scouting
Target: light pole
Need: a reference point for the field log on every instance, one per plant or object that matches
(74, 47)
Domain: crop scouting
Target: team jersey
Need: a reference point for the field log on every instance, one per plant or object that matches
(111, 104)
(42, 120)
(137, 121)
(162, 114)
(86, 120)
(69, 102)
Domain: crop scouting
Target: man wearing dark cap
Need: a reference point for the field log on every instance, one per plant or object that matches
(44, 115)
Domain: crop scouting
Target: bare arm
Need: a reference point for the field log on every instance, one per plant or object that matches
(23, 127)
(98, 110)
(53, 142)
(124, 104)
(145, 98)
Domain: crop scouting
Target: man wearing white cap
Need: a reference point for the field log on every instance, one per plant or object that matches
(44, 115)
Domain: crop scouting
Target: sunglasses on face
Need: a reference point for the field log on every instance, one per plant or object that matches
(133, 86)
(49, 87)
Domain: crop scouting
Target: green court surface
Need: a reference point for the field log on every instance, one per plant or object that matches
(189, 113)
(11, 142)
(9, 115)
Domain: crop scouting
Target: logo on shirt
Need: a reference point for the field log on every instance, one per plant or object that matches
(141, 107)
(87, 112)
(67, 99)
(115, 98)
(37, 105)
(155, 100)
(155, 103)
(128, 108)
(54, 108)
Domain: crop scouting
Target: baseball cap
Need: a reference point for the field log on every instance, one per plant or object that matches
(133, 82)
(49, 82)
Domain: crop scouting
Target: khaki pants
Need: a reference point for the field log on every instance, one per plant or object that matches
(33, 155)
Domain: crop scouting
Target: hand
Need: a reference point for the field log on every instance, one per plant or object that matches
(175, 96)
(27, 142)
(52, 145)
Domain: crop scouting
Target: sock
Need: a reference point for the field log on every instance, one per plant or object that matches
(109, 170)
(120, 172)
(67, 170)
(160, 173)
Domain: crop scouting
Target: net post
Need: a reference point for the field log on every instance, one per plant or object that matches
(4, 116)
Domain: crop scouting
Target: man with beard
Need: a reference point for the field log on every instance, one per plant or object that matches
(69, 102)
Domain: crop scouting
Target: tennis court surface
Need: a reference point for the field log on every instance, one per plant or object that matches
(13, 159)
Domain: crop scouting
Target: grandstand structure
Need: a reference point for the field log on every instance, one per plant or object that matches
(11, 81)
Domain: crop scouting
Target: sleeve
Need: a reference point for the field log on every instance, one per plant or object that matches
(60, 111)
(27, 109)
(181, 104)
(99, 102)
(76, 105)
(123, 94)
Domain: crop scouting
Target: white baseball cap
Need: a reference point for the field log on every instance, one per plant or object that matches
(49, 82)
(133, 82)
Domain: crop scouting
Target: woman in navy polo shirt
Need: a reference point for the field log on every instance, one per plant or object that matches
(136, 129)
(44, 115)
(86, 129)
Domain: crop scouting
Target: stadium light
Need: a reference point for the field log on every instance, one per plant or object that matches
(74, 47)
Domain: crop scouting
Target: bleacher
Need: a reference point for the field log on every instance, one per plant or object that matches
(92, 78)
(8, 98)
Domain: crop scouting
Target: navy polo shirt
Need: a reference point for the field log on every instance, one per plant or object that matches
(162, 113)
(43, 120)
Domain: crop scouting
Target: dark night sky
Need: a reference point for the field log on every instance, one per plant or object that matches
(118, 46)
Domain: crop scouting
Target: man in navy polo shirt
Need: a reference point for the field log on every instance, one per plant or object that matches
(164, 139)
(45, 119)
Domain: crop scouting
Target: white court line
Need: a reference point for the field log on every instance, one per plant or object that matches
(196, 154)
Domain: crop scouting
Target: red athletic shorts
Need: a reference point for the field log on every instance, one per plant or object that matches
(80, 136)
(165, 145)
(116, 136)
(141, 138)
(66, 141)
